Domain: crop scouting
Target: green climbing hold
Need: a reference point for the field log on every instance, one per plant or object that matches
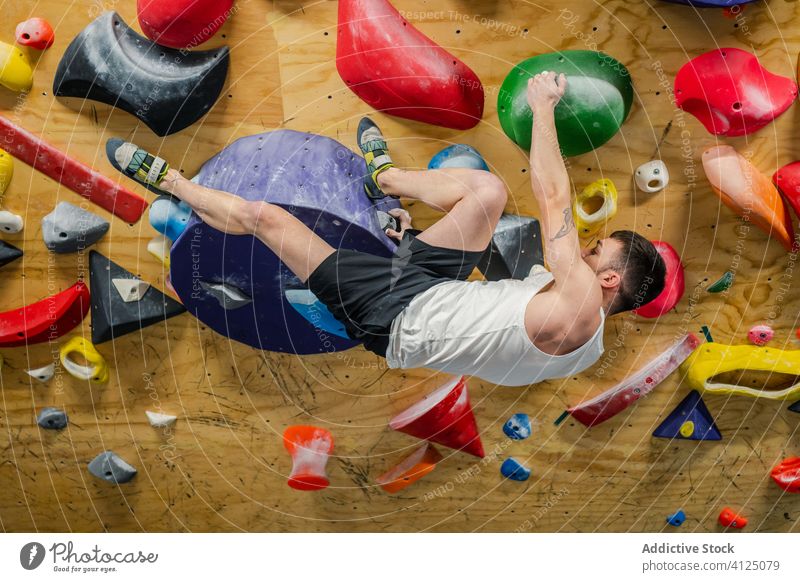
(722, 284)
(597, 101)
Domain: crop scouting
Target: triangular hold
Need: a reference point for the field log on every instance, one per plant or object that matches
(516, 247)
(159, 419)
(315, 311)
(229, 297)
(43, 374)
(690, 420)
(112, 317)
(130, 290)
(8, 253)
(411, 469)
(795, 407)
(69, 229)
(443, 417)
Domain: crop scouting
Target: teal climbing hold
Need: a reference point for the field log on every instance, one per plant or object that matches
(597, 101)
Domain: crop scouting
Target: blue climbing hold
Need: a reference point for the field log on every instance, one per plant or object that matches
(676, 518)
(315, 311)
(514, 470)
(518, 427)
(795, 407)
(690, 420)
(169, 216)
(458, 156)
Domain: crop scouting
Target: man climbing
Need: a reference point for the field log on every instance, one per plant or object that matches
(416, 308)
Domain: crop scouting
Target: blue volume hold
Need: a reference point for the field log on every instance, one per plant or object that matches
(690, 420)
(458, 156)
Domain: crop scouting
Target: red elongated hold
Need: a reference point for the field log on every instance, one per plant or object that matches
(76, 176)
(443, 417)
(729, 518)
(674, 285)
(749, 193)
(411, 469)
(310, 448)
(45, 320)
(398, 70)
(615, 400)
(787, 179)
(730, 93)
(787, 475)
(36, 33)
(182, 23)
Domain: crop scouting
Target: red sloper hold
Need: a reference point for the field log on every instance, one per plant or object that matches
(443, 417)
(79, 178)
(674, 285)
(730, 93)
(398, 70)
(182, 24)
(787, 475)
(45, 320)
(787, 180)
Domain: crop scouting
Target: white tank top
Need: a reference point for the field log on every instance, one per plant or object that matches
(477, 328)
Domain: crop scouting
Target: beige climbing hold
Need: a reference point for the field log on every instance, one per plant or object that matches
(160, 420)
(10, 222)
(160, 247)
(652, 176)
(43, 374)
(131, 289)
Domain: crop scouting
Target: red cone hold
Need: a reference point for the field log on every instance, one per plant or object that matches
(398, 70)
(443, 417)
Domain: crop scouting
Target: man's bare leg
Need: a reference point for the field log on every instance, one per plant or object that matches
(294, 243)
(473, 200)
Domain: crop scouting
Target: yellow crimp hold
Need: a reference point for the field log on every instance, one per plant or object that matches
(711, 359)
(15, 70)
(97, 370)
(590, 224)
(6, 170)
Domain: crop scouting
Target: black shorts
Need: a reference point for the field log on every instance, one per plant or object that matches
(366, 292)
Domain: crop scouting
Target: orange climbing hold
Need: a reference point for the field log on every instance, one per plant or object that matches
(411, 469)
(728, 518)
(310, 448)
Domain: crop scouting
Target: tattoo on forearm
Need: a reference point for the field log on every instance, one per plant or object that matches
(568, 225)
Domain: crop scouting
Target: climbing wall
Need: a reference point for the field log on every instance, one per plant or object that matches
(223, 466)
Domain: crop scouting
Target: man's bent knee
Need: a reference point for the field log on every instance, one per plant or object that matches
(491, 191)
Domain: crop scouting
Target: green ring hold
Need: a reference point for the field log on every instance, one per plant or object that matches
(597, 101)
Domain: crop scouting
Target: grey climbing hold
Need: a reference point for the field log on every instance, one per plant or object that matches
(515, 248)
(110, 467)
(387, 221)
(10, 222)
(69, 229)
(130, 289)
(43, 374)
(229, 297)
(52, 418)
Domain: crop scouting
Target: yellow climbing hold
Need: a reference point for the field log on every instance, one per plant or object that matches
(6, 170)
(687, 429)
(15, 70)
(97, 369)
(594, 207)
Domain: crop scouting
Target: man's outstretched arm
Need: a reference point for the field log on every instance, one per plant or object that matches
(550, 181)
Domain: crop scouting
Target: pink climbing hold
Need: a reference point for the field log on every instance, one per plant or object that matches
(730, 93)
(35, 33)
(760, 334)
(398, 70)
(674, 285)
(181, 24)
(310, 448)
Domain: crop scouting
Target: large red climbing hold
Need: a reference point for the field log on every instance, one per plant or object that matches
(79, 178)
(444, 417)
(787, 475)
(674, 284)
(398, 70)
(35, 33)
(182, 24)
(787, 179)
(731, 94)
(45, 320)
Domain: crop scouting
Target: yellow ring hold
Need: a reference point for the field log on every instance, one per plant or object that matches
(6, 170)
(589, 224)
(687, 429)
(97, 370)
(15, 70)
(711, 359)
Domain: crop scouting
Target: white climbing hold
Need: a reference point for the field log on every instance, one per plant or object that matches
(160, 247)
(160, 420)
(652, 176)
(43, 374)
(131, 289)
(10, 222)
(229, 297)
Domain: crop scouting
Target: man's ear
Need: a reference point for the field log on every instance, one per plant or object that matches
(610, 279)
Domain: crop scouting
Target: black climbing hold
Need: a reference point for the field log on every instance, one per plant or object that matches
(52, 418)
(110, 467)
(112, 316)
(795, 407)
(168, 90)
(8, 253)
(516, 247)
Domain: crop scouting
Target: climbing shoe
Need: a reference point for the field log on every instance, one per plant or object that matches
(137, 164)
(376, 154)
